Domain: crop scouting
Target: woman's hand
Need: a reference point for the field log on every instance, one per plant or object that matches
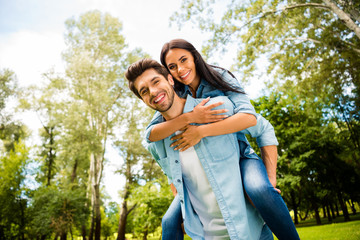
(205, 114)
(190, 137)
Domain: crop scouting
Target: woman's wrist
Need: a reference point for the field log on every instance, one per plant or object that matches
(202, 130)
(189, 117)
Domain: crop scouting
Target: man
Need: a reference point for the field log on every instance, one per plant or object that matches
(206, 176)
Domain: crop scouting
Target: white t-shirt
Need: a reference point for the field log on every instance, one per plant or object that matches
(202, 196)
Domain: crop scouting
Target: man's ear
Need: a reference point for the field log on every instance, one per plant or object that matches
(171, 80)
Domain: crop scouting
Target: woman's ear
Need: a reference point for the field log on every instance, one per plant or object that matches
(171, 80)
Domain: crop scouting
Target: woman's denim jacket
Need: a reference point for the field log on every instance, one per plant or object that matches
(263, 131)
(219, 156)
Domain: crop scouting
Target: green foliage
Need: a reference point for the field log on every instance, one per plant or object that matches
(304, 41)
(154, 198)
(8, 86)
(13, 192)
(57, 210)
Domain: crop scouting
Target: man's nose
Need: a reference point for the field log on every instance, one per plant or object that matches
(153, 91)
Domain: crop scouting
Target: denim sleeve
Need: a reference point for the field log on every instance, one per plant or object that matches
(157, 118)
(241, 101)
(263, 131)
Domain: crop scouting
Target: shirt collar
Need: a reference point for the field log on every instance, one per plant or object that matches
(198, 91)
(189, 104)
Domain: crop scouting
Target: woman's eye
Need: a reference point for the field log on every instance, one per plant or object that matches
(171, 67)
(183, 60)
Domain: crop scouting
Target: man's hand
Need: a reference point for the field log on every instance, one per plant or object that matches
(173, 189)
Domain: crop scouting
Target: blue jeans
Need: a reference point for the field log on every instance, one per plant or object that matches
(266, 233)
(171, 222)
(266, 199)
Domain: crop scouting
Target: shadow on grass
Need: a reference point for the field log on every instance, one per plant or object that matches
(324, 221)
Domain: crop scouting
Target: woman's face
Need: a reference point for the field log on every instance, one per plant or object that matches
(181, 65)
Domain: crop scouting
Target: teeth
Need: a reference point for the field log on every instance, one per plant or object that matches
(158, 98)
(184, 76)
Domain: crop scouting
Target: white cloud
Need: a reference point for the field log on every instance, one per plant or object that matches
(30, 54)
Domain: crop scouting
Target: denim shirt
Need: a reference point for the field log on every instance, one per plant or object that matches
(219, 156)
(263, 131)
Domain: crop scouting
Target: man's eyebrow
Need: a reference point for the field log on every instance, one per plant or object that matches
(154, 78)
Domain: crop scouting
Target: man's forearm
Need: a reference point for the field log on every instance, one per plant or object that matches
(269, 156)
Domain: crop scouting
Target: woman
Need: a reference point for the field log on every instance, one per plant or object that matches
(195, 77)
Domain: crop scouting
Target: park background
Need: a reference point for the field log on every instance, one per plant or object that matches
(72, 162)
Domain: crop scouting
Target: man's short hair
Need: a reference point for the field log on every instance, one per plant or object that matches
(139, 67)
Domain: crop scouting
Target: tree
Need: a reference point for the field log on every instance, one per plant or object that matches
(11, 131)
(309, 152)
(153, 199)
(315, 43)
(96, 57)
(133, 153)
(13, 192)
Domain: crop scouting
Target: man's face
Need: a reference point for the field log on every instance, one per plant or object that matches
(155, 91)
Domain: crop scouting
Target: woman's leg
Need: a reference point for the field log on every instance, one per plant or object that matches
(266, 199)
(266, 233)
(171, 222)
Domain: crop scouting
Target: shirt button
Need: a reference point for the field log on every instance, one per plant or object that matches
(179, 180)
(182, 201)
(176, 161)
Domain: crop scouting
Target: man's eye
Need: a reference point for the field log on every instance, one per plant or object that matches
(143, 92)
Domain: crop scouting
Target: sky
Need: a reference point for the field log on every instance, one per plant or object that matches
(32, 39)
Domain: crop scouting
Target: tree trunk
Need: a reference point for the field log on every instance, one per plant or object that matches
(91, 232)
(337, 210)
(63, 236)
(324, 211)
(146, 232)
(122, 222)
(352, 205)
(343, 207)
(50, 154)
(83, 232)
(73, 174)
(317, 216)
(97, 213)
(294, 205)
(316, 210)
(332, 211)
(328, 213)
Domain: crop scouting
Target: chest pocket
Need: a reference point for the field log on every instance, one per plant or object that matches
(220, 147)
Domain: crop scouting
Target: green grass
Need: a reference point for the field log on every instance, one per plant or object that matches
(339, 230)
(347, 230)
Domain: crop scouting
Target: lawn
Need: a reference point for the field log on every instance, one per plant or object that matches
(308, 230)
(335, 231)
